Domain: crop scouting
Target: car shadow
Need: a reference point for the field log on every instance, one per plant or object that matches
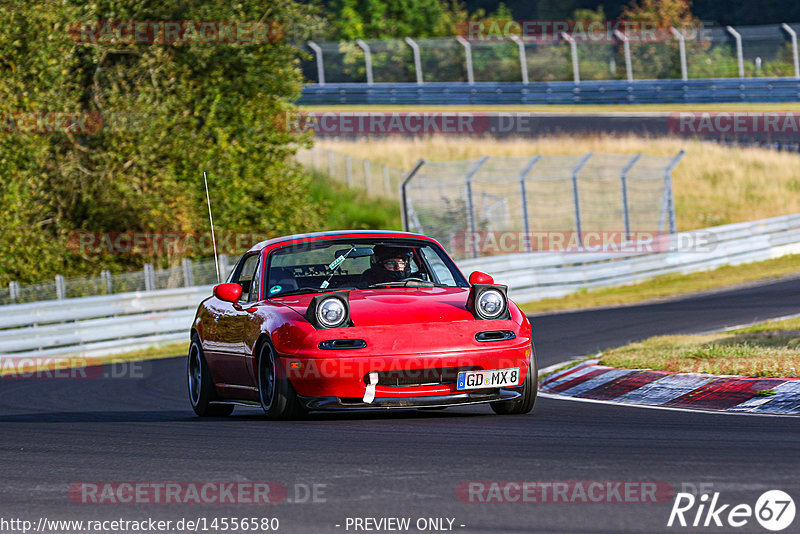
(101, 417)
(175, 416)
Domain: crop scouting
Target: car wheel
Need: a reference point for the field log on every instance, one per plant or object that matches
(275, 391)
(201, 388)
(529, 390)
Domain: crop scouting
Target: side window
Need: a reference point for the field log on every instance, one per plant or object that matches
(440, 270)
(245, 275)
(255, 285)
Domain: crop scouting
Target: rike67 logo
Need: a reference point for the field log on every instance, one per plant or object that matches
(774, 510)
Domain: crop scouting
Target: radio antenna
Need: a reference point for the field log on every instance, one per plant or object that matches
(211, 220)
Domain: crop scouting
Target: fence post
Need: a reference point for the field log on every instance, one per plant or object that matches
(470, 205)
(523, 190)
(668, 204)
(61, 292)
(349, 170)
(403, 196)
(188, 276)
(367, 59)
(106, 277)
(224, 266)
(366, 175)
(793, 35)
(626, 46)
(417, 60)
(681, 51)
(739, 56)
(623, 179)
(576, 198)
(468, 54)
(320, 67)
(330, 163)
(149, 278)
(523, 61)
(13, 291)
(386, 184)
(573, 48)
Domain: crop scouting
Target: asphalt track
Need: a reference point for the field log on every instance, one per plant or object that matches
(54, 433)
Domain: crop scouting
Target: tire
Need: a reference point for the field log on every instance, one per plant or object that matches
(529, 390)
(201, 388)
(275, 392)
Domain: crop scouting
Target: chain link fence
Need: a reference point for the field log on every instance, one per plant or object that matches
(540, 195)
(189, 273)
(714, 52)
(376, 179)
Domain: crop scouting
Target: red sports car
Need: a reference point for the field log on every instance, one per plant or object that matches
(358, 320)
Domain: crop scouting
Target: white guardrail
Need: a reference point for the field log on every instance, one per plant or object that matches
(94, 326)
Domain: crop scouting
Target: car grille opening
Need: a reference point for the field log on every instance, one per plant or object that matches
(495, 335)
(435, 376)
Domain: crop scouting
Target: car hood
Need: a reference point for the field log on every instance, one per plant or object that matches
(389, 306)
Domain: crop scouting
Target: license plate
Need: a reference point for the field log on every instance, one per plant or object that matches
(495, 378)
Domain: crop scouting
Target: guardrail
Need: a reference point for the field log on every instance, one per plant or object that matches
(535, 276)
(537, 93)
(93, 326)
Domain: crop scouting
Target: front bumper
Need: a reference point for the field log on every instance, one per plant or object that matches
(346, 377)
(433, 401)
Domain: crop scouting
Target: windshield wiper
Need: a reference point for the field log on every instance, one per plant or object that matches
(408, 283)
(303, 290)
(298, 291)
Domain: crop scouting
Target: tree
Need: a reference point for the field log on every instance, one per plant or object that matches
(381, 19)
(168, 112)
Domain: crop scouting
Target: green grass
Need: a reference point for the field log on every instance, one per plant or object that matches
(70, 362)
(567, 108)
(351, 208)
(670, 285)
(765, 350)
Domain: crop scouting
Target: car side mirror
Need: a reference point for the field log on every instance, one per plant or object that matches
(478, 277)
(228, 292)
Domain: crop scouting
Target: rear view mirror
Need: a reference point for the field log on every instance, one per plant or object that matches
(228, 292)
(356, 252)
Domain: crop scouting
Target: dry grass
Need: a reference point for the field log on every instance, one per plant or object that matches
(714, 184)
(764, 350)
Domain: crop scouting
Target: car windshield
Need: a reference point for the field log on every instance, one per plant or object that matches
(359, 264)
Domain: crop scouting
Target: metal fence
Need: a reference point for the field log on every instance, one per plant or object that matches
(574, 194)
(96, 326)
(376, 179)
(188, 274)
(716, 52)
(555, 274)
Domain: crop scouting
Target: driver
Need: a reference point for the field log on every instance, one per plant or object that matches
(390, 264)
